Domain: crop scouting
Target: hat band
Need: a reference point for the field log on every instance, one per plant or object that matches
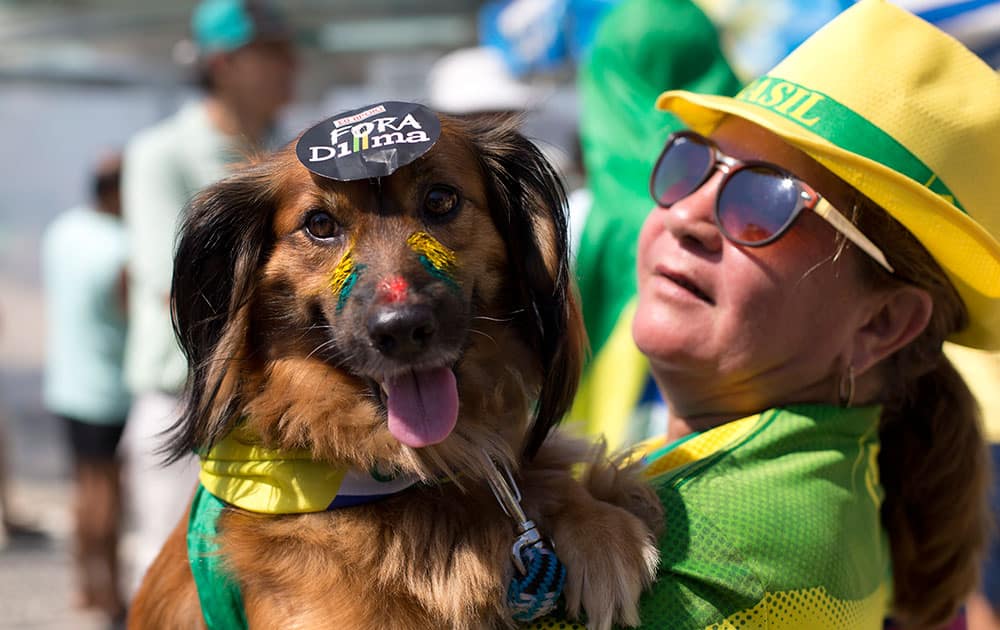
(842, 127)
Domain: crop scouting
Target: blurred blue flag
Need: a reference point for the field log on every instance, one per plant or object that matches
(541, 35)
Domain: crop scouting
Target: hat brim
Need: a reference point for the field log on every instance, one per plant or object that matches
(966, 251)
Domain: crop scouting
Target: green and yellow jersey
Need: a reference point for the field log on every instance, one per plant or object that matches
(772, 521)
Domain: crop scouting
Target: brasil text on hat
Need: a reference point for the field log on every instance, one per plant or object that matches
(225, 25)
(906, 115)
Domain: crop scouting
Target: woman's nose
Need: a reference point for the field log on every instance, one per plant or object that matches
(692, 219)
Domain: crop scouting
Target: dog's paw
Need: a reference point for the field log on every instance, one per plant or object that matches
(604, 523)
(618, 480)
(610, 557)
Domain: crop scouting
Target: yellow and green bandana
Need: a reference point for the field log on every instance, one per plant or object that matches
(239, 472)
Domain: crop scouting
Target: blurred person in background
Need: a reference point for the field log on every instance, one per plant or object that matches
(83, 263)
(639, 49)
(476, 81)
(14, 528)
(247, 67)
(981, 371)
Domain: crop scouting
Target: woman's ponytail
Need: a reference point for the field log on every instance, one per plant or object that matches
(934, 462)
(935, 471)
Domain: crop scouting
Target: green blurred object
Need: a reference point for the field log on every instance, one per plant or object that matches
(642, 48)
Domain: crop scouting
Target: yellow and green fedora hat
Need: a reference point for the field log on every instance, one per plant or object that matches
(905, 114)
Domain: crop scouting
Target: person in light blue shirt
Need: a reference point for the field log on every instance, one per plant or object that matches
(247, 67)
(84, 250)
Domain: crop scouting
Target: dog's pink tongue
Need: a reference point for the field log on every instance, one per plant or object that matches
(423, 406)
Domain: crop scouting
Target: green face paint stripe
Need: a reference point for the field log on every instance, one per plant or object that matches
(839, 124)
(344, 276)
(438, 273)
(345, 292)
(342, 272)
(439, 260)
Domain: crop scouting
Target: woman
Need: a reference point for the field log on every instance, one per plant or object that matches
(815, 240)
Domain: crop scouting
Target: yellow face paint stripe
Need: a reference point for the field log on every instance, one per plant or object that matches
(439, 260)
(342, 272)
(440, 256)
(344, 275)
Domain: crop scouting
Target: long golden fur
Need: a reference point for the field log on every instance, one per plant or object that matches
(268, 346)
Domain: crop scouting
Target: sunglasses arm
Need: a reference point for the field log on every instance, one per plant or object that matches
(832, 216)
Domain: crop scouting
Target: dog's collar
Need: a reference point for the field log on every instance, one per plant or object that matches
(241, 472)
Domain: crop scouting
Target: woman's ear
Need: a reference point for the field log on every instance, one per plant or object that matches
(899, 316)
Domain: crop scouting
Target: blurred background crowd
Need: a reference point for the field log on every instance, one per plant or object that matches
(79, 79)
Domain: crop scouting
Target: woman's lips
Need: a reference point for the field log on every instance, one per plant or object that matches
(687, 284)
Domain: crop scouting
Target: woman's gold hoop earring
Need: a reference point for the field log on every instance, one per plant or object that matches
(847, 390)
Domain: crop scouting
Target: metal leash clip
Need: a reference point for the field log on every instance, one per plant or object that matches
(542, 576)
(508, 495)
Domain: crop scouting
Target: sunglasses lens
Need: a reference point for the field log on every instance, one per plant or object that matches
(681, 168)
(756, 204)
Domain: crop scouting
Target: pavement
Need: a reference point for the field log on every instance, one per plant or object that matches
(36, 579)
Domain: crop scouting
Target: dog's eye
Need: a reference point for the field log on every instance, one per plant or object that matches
(440, 201)
(320, 224)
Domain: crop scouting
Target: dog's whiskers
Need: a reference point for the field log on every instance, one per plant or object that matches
(500, 319)
(326, 344)
(479, 332)
(318, 327)
(305, 331)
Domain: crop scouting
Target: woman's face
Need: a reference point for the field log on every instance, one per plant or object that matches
(754, 326)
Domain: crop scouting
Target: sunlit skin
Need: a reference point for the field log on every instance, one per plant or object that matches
(781, 322)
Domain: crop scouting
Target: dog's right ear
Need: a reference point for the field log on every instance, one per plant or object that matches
(528, 204)
(225, 235)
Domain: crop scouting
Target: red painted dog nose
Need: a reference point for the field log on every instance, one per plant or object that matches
(401, 331)
(392, 289)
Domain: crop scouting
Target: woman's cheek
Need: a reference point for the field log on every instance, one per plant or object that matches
(651, 229)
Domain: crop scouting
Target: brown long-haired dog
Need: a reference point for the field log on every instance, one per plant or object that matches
(272, 347)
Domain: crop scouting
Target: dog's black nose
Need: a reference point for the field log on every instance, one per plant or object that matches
(402, 331)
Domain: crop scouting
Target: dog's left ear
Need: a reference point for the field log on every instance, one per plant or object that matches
(222, 243)
(529, 207)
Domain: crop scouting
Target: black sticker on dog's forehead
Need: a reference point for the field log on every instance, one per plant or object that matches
(372, 141)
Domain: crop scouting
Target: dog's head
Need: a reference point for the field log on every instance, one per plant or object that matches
(407, 321)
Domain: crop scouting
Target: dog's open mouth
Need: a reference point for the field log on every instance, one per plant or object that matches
(421, 405)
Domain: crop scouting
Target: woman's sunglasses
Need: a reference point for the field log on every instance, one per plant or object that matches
(757, 201)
